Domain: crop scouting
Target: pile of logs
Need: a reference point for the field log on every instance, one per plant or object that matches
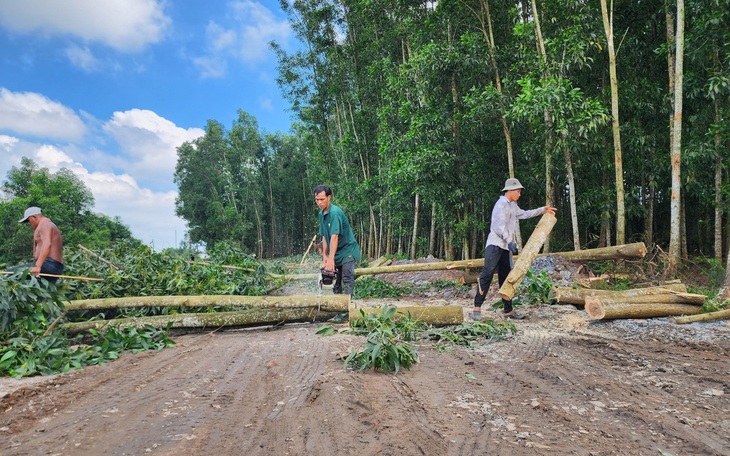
(659, 301)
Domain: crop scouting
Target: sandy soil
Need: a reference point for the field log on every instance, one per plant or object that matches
(563, 385)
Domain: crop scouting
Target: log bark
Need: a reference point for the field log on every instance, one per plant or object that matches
(634, 251)
(527, 256)
(710, 316)
(578, 295)
(597, 310)
(241, 318)
(329, 303)
(433, 315)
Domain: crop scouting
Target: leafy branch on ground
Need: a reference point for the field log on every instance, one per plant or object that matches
(390, 336)
(32, 344)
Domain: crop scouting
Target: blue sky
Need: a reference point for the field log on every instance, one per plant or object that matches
(110, 89)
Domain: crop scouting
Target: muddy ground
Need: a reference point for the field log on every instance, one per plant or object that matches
(562, 385)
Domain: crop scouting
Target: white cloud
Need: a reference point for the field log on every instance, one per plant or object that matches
(125, 25)
(27, 113)
(246, 40)
(149, 142)
(82, 58)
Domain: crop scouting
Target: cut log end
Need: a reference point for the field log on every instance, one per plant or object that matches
(594, 308)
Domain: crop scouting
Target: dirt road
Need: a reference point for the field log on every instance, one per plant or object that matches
(562, 385)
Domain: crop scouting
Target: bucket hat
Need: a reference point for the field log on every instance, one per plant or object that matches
(511, 184)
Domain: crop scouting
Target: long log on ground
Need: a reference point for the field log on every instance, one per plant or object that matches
(433, 315)
(578, 295)
(597, 310)
(330, 303)
(619, 252)
(527, 256)
(710, 316)
(633, 251)
(214, 320)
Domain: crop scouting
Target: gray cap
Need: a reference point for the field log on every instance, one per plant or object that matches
(511, 184)
(30, 212)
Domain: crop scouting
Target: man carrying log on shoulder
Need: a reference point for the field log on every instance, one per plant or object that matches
(339, 248)
(501, 244)
(47, 245)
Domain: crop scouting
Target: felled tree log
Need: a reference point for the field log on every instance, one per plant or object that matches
(710, 316)
(626, 252)
(597, 310)
(578, 296)
(433, 315)
(329, 302)
(251, 317)
(527, 256)
(619, 252)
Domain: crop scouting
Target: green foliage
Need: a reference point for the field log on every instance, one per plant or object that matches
(388, 339)
(32, 345)
(470, 334)
(370, 287)
(386, 347)
(536, 287)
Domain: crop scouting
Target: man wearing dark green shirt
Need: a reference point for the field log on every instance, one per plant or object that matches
(340, 250)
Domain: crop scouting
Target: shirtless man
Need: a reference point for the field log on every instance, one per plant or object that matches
(47, 244)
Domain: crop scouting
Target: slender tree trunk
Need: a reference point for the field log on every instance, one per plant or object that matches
(618, 159)
(676, 152)
(548, 122)
(725, 293)
(571, 190)
(649, 220)
(416, 214)
(432, 231)
(273, 217)
(718, 186)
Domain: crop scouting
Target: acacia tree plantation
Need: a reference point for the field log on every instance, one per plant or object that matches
(415, 114)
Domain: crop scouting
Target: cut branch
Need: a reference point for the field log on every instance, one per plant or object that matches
(710, 316)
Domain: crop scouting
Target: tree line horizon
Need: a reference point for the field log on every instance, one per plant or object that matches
(415, 114)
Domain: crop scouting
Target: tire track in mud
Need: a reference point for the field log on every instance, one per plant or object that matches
(285, 391)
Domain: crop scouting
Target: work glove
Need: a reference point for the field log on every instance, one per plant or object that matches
(512, 246)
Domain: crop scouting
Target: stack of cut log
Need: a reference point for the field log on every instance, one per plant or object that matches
(659, 301)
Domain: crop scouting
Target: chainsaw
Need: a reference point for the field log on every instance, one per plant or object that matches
(326, 278)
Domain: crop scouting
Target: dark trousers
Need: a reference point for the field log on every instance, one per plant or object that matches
(345, 274)
(50, 266)
(495, 260)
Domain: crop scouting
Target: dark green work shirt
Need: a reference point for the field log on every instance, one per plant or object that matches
(335, 222)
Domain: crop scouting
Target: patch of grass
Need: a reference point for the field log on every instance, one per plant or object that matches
(388, 339)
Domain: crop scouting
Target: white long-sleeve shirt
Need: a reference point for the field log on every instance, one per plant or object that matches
(504, 221)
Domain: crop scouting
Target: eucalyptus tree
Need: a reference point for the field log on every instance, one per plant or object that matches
(219, 196)
(676, 154)
(616, 130)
